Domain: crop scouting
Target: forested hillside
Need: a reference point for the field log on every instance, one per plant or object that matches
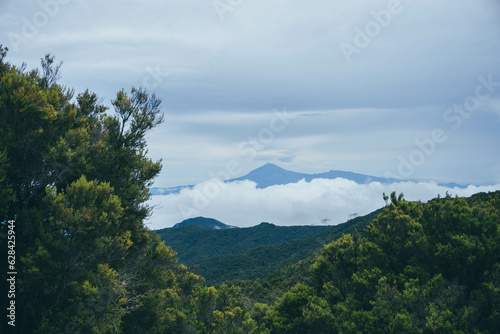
(255, 252)
(195, 243)
(74, 180)
(422, 268)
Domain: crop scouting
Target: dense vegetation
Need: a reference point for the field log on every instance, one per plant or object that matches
(422, 268)
(254, 252)
(295, 268)
(195, 243)
(243, 253)
(74, 177)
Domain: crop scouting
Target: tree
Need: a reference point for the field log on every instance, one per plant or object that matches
(75, 180)
(422, 268)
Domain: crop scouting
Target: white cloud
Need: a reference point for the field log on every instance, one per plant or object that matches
(302, 203)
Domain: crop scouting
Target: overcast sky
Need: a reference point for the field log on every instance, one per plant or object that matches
(403, 88)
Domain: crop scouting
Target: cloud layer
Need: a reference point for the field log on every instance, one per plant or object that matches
(320, 201)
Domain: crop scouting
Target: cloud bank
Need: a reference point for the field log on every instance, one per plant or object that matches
(320, 201)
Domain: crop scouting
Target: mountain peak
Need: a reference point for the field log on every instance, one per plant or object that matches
(209, 223)
(269, 166)
(271, 174)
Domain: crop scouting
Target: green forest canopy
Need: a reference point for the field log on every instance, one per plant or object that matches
(75, 176)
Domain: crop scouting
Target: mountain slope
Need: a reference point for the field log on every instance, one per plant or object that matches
(260, 261)
(254, 252)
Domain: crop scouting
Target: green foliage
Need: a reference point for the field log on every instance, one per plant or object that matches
(75, 179)
(299, 256)
(422, 268)
(252, 253)
(6, 195)
(300, 311)
(195, 243)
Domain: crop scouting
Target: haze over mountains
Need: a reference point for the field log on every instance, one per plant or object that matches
(282, 197)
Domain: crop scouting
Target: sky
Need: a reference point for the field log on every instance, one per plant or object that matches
(396, 88)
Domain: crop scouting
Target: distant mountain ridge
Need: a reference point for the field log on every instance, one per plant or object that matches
(271, 175)
(209, 223)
